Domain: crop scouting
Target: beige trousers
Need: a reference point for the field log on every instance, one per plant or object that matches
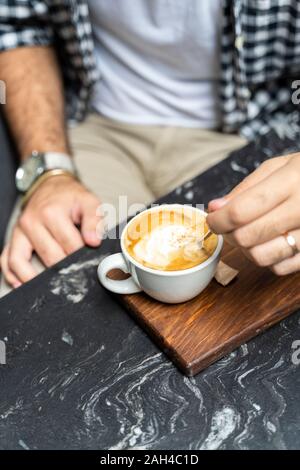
(141, 162)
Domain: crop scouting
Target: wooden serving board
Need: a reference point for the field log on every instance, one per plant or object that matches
(195, 334)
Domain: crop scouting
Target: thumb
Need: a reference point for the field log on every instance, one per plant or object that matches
(90, 221)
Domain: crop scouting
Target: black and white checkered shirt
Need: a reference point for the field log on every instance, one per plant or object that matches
(260, 56)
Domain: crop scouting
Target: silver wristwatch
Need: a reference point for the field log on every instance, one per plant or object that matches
(39, 163)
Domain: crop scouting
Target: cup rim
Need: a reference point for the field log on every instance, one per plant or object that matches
(177, 272)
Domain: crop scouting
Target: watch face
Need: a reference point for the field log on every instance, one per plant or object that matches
(28, 172)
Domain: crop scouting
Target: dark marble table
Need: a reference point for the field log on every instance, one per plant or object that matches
(81, 374)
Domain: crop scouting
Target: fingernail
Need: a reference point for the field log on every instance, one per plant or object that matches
(92, 237)
(217, 203)
(17, 284)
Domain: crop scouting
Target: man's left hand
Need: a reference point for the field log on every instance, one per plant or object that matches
(257, 214)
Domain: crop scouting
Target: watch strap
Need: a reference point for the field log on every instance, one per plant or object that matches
(61, 161)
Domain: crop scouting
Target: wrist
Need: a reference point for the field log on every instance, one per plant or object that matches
(51, 175)
(28, 150)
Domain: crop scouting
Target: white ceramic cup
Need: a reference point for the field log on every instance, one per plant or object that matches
(165, 286)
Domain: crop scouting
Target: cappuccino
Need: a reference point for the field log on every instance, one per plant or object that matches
(170, 239)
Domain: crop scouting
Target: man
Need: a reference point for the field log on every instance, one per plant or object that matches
(172, 87)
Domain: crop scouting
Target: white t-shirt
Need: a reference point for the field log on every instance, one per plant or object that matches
(159, 61)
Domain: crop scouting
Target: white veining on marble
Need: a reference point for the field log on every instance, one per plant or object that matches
(192, 385)
(80, 266)
(67, 338)
(72, 282)
(244, 349)
(189, 196)
(236, 167)
(223, 424)
(12, 409)
(23, 445)
(37, 304)
(131, 432)
(242, 376)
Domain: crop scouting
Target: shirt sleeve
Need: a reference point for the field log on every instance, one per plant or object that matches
(24, 23)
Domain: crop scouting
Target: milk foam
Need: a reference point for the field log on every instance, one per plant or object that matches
(161, 245)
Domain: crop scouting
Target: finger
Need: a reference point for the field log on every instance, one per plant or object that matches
(263, 171)
(252, 203)
(288, 266)
(272, 225)
(273, 252)
(19, 256)
(45, 245)
(9, 276)
(90, 221)
(65, 233)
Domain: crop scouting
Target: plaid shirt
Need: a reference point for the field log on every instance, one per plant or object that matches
(260, 56)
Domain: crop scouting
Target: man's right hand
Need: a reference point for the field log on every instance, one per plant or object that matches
(59, 219)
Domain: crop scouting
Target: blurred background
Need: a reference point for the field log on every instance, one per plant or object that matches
(7, 171)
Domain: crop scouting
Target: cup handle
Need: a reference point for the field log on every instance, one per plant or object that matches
(116, 261)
